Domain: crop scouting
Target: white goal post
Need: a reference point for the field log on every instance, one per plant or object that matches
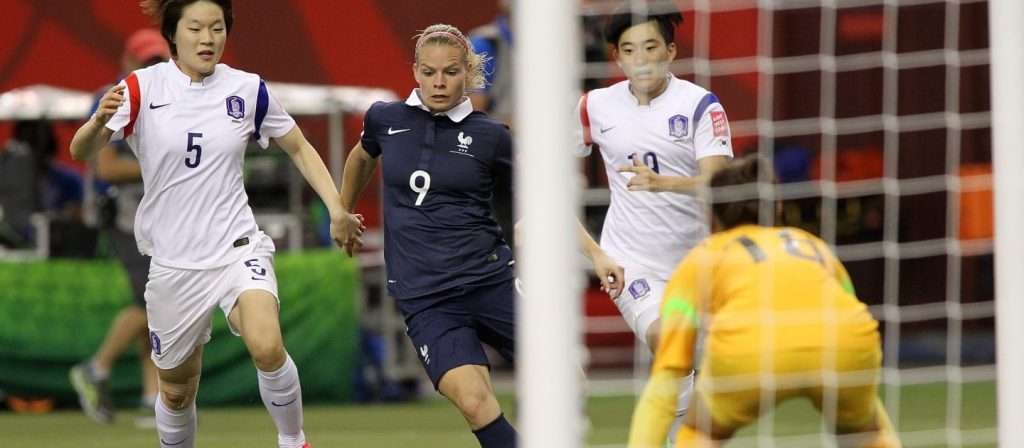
(1007, 43)
(549, 318)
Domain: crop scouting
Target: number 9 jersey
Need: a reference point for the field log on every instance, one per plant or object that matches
(440, 173)
(190, 139)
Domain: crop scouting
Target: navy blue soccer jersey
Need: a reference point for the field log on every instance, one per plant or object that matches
(440, 173)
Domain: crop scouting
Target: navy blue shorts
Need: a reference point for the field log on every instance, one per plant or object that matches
(449, 333)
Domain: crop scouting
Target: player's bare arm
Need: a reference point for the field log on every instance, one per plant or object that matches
(94, 134)
(312, 167)
(607, 270)
(359, 166)
(114, 169)
(645, 179)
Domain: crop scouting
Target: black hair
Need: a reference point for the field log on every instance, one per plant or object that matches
(622, 20)
(739, 172)
(168, 12)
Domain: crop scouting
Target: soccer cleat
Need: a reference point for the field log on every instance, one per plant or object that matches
(307, 445)
(93, 393)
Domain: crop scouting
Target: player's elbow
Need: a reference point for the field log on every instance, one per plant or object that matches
(78, 151)
(85, 142)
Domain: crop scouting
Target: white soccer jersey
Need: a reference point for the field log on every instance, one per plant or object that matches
(686, 123)
(190, 139)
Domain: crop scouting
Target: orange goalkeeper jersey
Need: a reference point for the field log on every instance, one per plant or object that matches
(759, 289)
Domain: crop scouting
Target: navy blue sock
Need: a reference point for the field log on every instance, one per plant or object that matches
(497, 434)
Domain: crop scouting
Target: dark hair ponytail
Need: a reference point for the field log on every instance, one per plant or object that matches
(167, 13)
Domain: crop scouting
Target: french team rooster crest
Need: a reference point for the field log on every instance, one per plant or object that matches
(464, 141)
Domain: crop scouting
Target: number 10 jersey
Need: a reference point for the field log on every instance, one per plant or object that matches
(644, 230)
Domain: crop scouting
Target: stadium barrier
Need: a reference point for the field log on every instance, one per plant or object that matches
(54, 313)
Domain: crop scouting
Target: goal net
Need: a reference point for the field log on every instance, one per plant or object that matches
(876, 117)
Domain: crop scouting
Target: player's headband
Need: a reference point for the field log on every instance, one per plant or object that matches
(459, 39)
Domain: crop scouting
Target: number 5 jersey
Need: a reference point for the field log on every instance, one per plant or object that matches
(190, 138)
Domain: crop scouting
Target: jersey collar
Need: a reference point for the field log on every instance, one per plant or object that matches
(180, 76)
(658, 99)
(456, 114)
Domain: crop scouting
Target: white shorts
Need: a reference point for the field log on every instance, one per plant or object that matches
(180, 302)
(640, 302)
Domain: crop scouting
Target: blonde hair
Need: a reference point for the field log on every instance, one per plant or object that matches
(450, 35)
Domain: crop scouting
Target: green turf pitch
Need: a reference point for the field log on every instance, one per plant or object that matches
(434, 423)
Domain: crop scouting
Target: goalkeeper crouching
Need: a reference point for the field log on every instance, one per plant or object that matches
(781, 320)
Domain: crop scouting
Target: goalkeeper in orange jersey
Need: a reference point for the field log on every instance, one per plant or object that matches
(780, 320)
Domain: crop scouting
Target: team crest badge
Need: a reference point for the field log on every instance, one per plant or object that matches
(677, 126)
(236, 107)
(464, 141)
(639, 289)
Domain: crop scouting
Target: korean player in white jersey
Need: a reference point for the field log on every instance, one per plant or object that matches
(188, 122)
(661, 138)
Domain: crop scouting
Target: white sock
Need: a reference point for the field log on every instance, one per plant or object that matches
(177, 429)
(282, 395)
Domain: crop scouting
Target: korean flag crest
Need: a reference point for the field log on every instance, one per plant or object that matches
(236, 107)
(677, 126)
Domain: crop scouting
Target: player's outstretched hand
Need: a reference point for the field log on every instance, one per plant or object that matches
(109, 103)
(609, 273)
(347, 231)
(644, 178)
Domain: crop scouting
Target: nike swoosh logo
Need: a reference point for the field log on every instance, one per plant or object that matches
(164, 442)
(157, 106)
(603, 130)
(397, 131)
(283, 405)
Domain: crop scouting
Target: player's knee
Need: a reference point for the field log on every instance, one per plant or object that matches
(476, 403)
(268, 354)
(176, 396)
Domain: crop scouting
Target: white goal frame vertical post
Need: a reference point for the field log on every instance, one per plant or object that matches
(547, 54)
(1006, 37)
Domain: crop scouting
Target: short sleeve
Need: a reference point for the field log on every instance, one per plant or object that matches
(681, 307)
(582, 142)
(368, 138)
(272, 121)
(712, 136)
(124, 116)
